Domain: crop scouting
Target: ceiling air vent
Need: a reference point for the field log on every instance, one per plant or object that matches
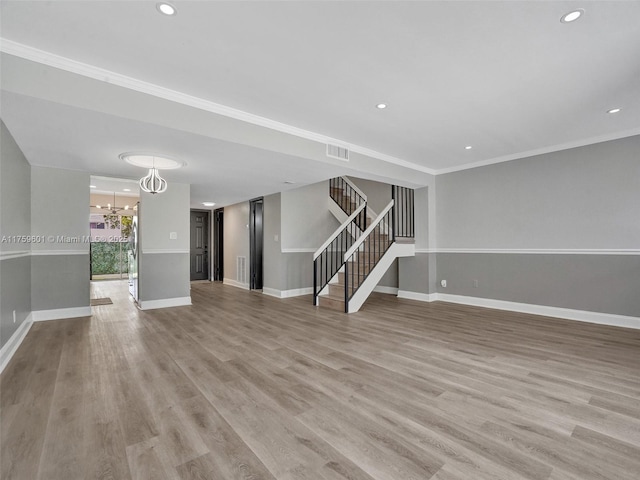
(340, 153)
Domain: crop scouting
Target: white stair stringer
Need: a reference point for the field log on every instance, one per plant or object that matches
(337, 212)
(394, 251)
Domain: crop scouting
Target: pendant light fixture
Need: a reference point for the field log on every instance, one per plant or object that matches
(152, 182)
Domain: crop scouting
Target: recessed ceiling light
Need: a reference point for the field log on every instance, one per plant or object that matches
(166, 8)
(381, 106)
(126, 189)
(572, 16)
(468, 147)
(614, 110)
(208, 204)
(92, 186)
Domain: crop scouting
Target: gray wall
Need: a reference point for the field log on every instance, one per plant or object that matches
(306, 221)
(60, 213)
(378, 193)
(164, 262)
(15, 219)
(585, 197)
(582, 198)
(273, 258)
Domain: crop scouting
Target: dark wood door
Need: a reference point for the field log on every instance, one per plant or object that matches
(218, 245)
(256, 243)
(199, 245)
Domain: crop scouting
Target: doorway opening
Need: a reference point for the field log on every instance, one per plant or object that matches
(256, 243)
(112, 224)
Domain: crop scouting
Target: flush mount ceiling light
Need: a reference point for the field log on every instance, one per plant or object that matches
(468, 147)
(152, 182)
(614, 110)
(166, 8)
(381, 106)
(208, 204)
(572, 16)
(92, 186)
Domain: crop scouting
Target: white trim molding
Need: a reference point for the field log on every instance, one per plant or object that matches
(298, 250)
(91, 71)
(7, 255)
(387, 290)
(11, 347)
(235, 283)
(44, 253)
(164, 303)
(421, 297)
(61, 313)
(162, 251)
(544, 310)
(296, 292)
(543, 251)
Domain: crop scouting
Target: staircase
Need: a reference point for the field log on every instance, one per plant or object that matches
(349, 265)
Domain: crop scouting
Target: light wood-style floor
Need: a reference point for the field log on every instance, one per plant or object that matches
(244, 386)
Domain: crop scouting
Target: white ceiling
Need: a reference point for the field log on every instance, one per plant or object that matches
(246, 92)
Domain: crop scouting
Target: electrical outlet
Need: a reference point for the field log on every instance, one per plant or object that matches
(443, 283)
(475, 283)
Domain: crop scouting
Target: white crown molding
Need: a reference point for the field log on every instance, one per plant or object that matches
(542, 251)
(91, 71)
(14, 342)
(298, 250)
(541, 151)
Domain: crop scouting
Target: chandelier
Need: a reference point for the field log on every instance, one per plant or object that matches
(152, 182)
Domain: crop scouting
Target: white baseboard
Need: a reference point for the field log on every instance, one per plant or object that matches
(61, 313)
(545, 310)
(235, 283)
(421, 297)
(388, 290)
(164, 303)
(12, 345)
(296, 292)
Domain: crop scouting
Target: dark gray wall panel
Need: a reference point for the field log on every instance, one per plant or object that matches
(164, 276)
(416, 273)
(598, 283)
(59, 281)
(15, 294)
